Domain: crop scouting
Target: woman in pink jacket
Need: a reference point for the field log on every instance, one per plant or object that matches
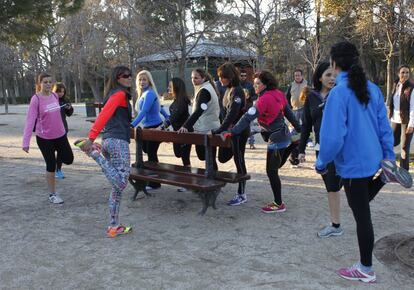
(45, 120)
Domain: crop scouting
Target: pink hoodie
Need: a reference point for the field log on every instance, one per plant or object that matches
(49, 123)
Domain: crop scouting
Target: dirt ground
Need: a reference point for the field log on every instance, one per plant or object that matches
(46, 246)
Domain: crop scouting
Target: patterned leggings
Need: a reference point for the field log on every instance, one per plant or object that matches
(115, 164)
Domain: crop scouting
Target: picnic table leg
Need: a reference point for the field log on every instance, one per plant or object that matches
(138, 185)
(205, 200)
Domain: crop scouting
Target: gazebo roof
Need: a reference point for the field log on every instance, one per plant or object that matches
(203, 48)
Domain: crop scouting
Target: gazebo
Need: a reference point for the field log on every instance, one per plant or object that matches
(206, 54)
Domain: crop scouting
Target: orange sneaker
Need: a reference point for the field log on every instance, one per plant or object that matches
(112, 232)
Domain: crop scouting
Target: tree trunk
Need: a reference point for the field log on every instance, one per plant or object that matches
(390, 67)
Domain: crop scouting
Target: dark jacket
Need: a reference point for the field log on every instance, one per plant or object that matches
(118, 126)
(65, 112)
(312, 117)
(179, 113)
(406, 91)
(234, 111)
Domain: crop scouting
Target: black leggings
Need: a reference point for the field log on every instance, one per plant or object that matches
(359, 192)
(201, 154)
(183, 151)
(275, 160)
(151, 148)
(48, 147)
(238, 147)
(403, 139)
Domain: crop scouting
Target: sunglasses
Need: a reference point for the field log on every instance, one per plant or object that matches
(243, 76)
(124, 76)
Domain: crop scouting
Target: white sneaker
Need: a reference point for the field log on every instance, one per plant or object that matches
(149, 188)
(310, 144)
(181, 189)
(55, 198)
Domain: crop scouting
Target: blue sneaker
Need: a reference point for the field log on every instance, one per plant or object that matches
(238, 199)
(59, 174)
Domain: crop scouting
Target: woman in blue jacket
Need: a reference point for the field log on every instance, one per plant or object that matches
(357, 136)
(149, 109)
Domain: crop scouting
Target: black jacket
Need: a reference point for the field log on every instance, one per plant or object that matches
(312, 117)
(179, 113)
(65, 112)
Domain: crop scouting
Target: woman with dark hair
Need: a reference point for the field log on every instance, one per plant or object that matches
(270, 109)
(115, 117)
(401, 113)
(356, 135)
(206, 110)
(178, 115)
(66, 110)
(323, 82)
(234, 104)
(43, 118)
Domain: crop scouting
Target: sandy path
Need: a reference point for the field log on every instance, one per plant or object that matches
(46, 246)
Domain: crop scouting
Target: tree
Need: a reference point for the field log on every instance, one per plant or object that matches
(26, 20)
(178, 25)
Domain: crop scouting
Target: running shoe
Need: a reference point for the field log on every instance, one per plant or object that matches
(355, 273)
(113, 232)
(59, 174)
(55, 198)
(238, 199)
(329, 231)
(394, 173)
(274, 207)
(181, 189)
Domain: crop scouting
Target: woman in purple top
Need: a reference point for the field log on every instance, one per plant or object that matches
(45, 120)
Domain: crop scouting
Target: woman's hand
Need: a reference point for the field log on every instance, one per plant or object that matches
(409, 130)
(26, 149)
(182, 130)
(84, 145)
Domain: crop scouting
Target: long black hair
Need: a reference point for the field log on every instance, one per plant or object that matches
(179, 91)
(113, 83)
(320, 69)
(346, 57)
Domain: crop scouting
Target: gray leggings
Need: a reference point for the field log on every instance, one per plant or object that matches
(115, 164)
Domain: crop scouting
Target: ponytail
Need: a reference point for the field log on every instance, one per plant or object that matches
(346, 57)
(358, 83)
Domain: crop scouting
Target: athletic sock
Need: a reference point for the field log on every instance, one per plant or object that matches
(336, 225)
(365, 269)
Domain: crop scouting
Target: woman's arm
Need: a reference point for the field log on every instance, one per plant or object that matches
(287, 111)
(149, 100)
(32, 115)
(306, 126)
(164, 112)
(245, 120)
(116, 100)
(231, 116)
(201, 105)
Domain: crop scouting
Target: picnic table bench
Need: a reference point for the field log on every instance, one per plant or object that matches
(207, 181)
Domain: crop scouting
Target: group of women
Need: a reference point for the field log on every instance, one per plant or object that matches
(347, 113)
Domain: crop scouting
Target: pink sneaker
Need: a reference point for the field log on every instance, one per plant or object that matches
(355, 273)
(274, 207)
